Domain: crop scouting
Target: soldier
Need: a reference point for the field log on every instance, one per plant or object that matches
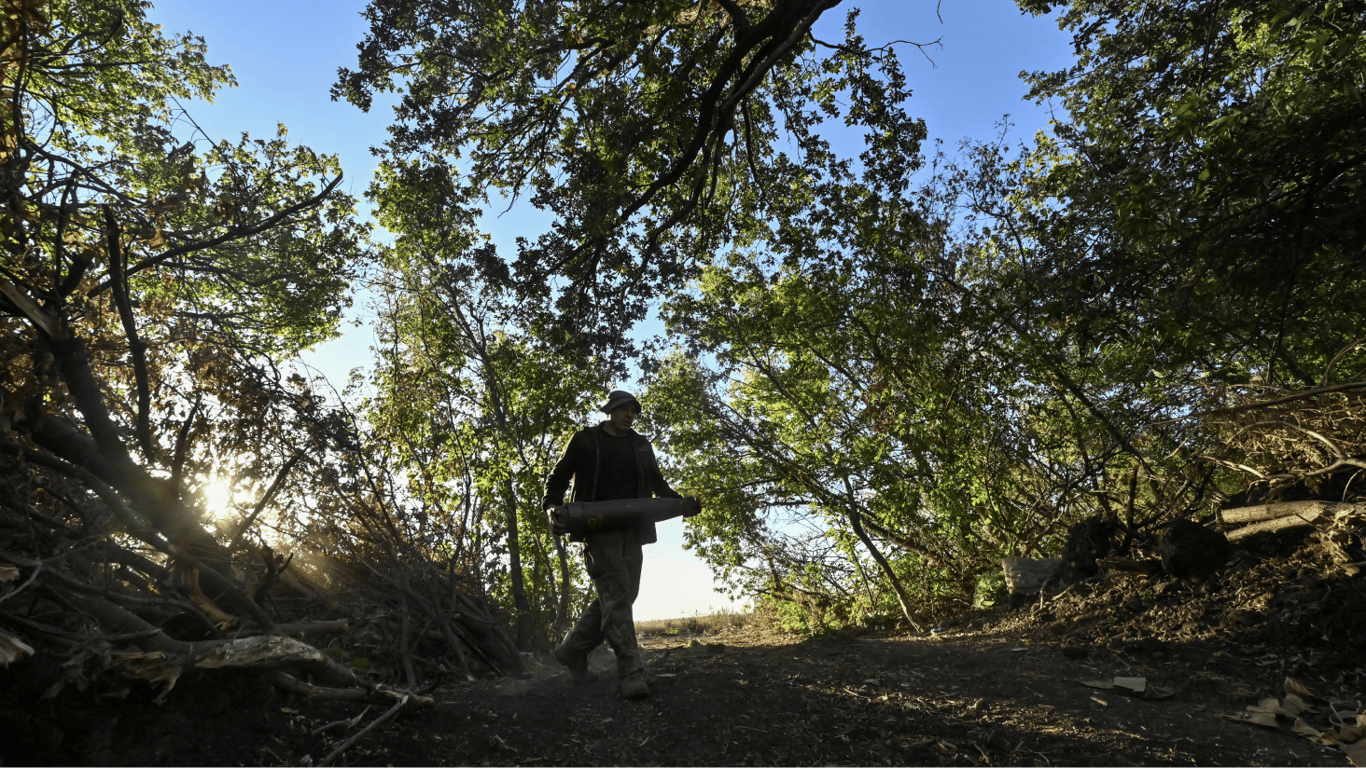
(608, 461)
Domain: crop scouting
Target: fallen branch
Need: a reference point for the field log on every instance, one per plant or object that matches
(163, 659)
(351, 723)
(291, 684)
(1276, 517)
(311, 627)
(382, 719)
(1310, 509)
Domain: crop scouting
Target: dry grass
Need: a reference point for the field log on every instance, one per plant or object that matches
(713, 624)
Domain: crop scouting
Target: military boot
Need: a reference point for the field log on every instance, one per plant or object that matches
(577, 665)
(633, 686)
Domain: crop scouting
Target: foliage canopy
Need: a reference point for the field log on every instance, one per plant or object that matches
(649, 130)
(880, 385)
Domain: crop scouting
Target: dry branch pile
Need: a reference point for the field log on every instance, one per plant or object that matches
(113, 577)
(150, 290)
(1303, 456)
(1306, 445)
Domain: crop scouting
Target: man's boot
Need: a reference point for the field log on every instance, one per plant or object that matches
(633, 686)
(577, 665)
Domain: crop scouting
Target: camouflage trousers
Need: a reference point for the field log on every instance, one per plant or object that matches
(613, 560)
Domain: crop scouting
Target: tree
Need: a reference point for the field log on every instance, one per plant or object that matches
(476, 409)
(649, 130)
(1185, 230)
(1205, 188)
(843, 397)
(151, 286)
(929, 377)
(654, 133)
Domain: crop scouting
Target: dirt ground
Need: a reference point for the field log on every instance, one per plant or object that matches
(1033, 684)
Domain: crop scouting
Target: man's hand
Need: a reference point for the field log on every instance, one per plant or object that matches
(696, 506)
(556, 527)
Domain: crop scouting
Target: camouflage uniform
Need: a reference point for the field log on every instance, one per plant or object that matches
(606, 467)
(613, 560)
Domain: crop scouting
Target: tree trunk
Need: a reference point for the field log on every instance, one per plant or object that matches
(562, 618)
(856, 522)
(520, 606)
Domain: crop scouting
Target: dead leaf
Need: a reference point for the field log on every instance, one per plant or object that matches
(1265, 719)
(1295, 705)
(1270, 705)
(1131, 684)
(1310, 732)
(1349, 737)
(1295, 688)
(1356, 752)
(1348, 734)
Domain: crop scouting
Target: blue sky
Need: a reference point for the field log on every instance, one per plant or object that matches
(285, 55)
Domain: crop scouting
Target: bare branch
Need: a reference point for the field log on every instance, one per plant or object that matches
(137, 349)
(264, 500)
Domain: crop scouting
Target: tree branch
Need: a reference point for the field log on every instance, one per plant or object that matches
(137, 349)
(233, 233)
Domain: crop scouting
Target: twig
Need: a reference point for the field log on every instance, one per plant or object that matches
(264, 500)
(1276, 422)
(384, 718)
(352, 723)
(1232, 465)
(1267, 403)
(38, 566)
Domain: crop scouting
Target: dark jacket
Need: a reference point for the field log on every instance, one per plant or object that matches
(582, 461)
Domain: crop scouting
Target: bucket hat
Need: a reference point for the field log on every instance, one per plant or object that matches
(618, 398)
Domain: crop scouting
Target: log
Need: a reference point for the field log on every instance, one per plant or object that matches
(1311, 510)
(1277, 517)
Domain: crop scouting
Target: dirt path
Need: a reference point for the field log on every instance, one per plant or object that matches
(965, 699)
(1005, 687)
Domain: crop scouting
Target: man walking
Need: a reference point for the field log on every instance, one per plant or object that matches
(608, 461)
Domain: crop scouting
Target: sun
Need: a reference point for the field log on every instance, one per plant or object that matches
(218, 499)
